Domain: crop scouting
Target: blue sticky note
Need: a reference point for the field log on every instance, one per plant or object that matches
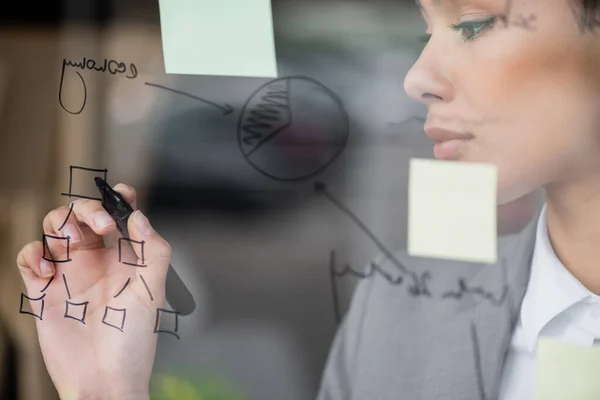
(218, 37)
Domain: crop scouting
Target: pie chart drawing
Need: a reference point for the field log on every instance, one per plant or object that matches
(292, 128)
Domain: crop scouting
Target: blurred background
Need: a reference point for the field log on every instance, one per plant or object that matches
(251, 237)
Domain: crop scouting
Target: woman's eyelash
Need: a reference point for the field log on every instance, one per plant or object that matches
(472, 29)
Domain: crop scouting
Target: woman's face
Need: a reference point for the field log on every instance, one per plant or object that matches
(526, 92)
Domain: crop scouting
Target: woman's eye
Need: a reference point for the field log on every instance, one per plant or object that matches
(470, 30)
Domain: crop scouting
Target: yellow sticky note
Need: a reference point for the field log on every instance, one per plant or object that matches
(452, 210)
(567, 371)
(224, 37)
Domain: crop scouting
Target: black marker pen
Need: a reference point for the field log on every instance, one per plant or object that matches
(177, 294)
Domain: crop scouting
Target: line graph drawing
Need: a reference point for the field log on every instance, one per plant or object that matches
(419, 283)
(417, 287)
(334, 273)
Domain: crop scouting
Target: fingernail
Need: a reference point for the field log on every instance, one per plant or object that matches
(102, 219)
(142, 223)
(71, 231)
(46, 268)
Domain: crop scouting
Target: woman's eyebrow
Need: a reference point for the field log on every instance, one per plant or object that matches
(435, 3)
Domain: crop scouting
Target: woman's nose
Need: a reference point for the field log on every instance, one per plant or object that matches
(427, 81)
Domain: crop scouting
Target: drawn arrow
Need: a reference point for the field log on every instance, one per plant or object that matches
(227, 109)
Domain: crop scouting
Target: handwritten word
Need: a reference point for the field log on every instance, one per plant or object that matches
(463, 289)
(375, 269)
(113, 67)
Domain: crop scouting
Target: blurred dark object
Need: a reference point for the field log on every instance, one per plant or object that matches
(198, 167)
(53, 13)
(217, 196)
(8, 382)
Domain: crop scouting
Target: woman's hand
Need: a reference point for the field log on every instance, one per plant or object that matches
(101, 344)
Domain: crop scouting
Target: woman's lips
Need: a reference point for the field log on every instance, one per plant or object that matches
(450, 149)
(441, 134)
(449, 145)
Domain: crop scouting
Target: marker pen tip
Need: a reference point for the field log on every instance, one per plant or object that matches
(100, 183)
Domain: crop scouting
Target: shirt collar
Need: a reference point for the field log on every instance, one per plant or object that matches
(551, 290)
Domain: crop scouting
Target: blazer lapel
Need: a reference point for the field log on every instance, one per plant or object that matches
(487, 309)
(492, 324)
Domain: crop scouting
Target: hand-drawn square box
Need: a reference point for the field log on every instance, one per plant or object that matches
(160, 311)
(86, 187)
(113, 315)
(80, 308)
(46, 248)
(40, 299)
(131, 242)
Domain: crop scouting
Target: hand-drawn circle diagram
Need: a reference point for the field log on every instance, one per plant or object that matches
(292, 128)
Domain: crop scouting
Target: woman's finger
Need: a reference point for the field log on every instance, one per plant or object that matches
(130, 196)
(155, 253)
(31, 264)
(128, 193)
(62, 222)
(91, 213)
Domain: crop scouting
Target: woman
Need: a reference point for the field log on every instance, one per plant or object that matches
(519, 84)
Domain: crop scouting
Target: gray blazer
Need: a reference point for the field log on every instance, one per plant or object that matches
(428, 329)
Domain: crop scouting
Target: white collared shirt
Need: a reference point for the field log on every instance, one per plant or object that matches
(556, 305)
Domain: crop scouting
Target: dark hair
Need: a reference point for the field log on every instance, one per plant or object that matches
(587, 13)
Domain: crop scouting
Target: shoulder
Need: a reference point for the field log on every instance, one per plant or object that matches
(396, 312)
